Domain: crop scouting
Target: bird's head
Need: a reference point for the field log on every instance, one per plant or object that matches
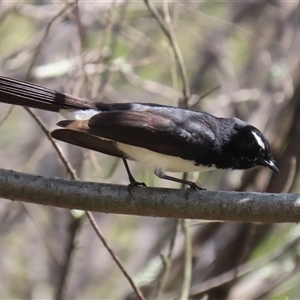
(251, 148)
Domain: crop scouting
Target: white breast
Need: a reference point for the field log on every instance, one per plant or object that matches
(153, 160)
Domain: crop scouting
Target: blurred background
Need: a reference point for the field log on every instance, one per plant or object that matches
(241, 59)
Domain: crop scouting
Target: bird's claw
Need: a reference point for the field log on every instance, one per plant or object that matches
(133, 184)
(193, 187)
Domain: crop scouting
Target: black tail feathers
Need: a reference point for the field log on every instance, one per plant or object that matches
(17, 92)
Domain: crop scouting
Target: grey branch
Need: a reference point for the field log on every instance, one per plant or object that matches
(156, 202)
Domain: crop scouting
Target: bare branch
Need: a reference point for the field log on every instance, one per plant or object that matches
(47, 30)
(114, 257)
(187, 277)
(61, 155)
(156, 202)
(6, 115)
(168, 31)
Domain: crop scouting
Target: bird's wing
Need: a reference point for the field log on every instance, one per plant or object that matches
(87, 141)
(188, 138)
(78, 133)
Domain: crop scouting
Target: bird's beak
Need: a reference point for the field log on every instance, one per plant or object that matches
(269, 164)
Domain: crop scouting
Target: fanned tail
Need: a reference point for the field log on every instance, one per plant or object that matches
(17, 92)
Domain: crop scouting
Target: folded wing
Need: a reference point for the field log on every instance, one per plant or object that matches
(187, 137)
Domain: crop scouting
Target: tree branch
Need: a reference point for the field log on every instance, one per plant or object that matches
(156, 202)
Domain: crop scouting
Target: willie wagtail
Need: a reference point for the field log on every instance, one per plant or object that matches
(162, 138)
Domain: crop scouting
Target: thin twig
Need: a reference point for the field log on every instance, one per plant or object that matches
(76, 17)
(114, 257)
(187, 273)
(167, 28)
(47, 30)
(74, 226)
(34, 212)
(167, 263)
(62, 157)
(7, 114)
(243, 269)
(278, 279)
(149, 86)
(108, 26)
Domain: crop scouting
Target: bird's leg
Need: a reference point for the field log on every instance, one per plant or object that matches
(133, 182)
(160, 173)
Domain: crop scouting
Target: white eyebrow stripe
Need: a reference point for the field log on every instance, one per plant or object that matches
(259, 140)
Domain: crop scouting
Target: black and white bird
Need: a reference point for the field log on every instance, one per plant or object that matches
(161, 138)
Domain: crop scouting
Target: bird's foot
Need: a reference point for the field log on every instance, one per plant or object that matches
(133, 183)
(193, 187)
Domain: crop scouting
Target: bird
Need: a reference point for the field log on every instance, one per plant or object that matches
(162, 138)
